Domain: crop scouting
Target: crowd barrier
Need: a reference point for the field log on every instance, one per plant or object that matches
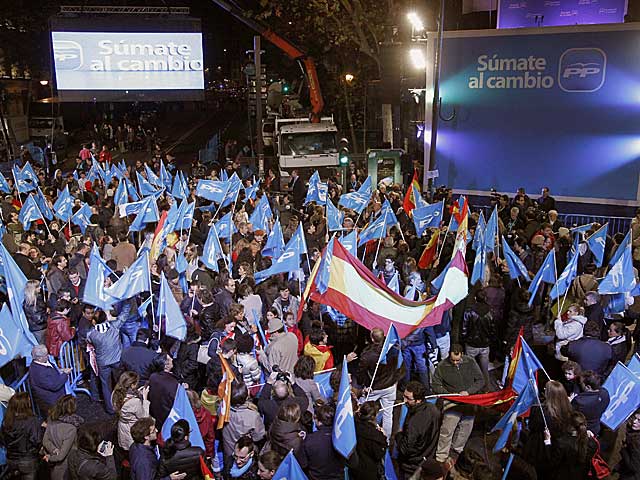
(22, 385)
(71, 357)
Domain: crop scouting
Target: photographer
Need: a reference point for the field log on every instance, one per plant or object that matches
(277, 392)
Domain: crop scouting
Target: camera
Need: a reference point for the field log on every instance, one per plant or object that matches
(282, 376)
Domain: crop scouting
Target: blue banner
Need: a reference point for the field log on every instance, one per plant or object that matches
(543, 13)
(624, 391)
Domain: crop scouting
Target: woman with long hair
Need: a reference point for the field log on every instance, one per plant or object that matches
(93, 459)
(372, 443)
(60, 436)
(178, 455)
(286, 432)
(572, 453)
(130, 404)
(35, 309)
(21, 435)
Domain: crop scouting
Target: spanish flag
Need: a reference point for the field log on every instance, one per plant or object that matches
(206, 471)
(429, 252)
(410, 202)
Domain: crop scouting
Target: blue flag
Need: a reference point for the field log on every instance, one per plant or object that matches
(478, 236)
(225, 226)
(324, 271)
(317, 191)
(64, 205)
(165, 177)
(144, 186)
(122, 193)
(28, 172)
(234, 184)
(437, 282)
(260, 216)
(491, 231)
(182, 410)
(374, 231)
(394, 283)
(344, 427)
(275, 242)
(131, 189)
(43, 205)
(391, 340)
(152, 178)
(366, 188)
(621, 278)
(251, 191)
(567, 276)
(23, 182)
(4, 185)
(597, 243)
(185, 215)
(389, 471)
(527, 398)
(289, 261)
(13, 340)
(175, 325)
(334, 217)
(624, 393)
(212, 251)
(178, 190)
(144, 306)
(29, 212)
(528, 364)
(148, 214)
(323, 381)
(289, 469)
(350, 242)
(581, 228)
(82, 217)
(620, 250)
(354, 201)
(418, 201)
(479, 263)
(516, 267)
(387, 212)
(213, 190)
(94, 293)
(429, 216)
(547, 274)
(135, 280)
(634, 365)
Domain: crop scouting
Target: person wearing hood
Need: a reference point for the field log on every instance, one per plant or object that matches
(568, 328)
(589, 351)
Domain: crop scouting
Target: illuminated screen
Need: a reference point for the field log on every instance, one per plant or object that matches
(120, 65)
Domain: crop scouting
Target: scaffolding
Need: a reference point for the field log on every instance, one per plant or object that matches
(109, 10)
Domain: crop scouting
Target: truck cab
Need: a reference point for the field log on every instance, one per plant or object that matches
(302, 144)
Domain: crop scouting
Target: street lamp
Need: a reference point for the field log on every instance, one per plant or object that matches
(44, 83)
(416, 21)
(348, 78)
(417, 58)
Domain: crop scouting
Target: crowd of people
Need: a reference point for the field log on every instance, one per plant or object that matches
(252, 331)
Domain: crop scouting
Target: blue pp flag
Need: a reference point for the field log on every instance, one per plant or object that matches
(13, 340)
(582, 228)
(148, 214)
(94, 293)
(29, 212)
(597, 243)
(324, 271)
(394, 283)
(354, 201)
(289, 469)
(491, 231)
(144, 187)
(479, 263)
(182, 410)
(23, 182)
(212, 251)
(567, 276)
(478, 236)
(344, 427)
(624, 393)
(634, 365)
(417, 197)
(213, 190)
(387, 212)
(323, 381)
(391, 340)
(135, 280)
(178, 190)
(122, 193)
(175, 325)
(43, 205)
(185, 215)
(251, 191)
(547, 274)
(234, 184)
(317, 191)
(621, 278)
(350, 242)
(374, 231)
(28, 172)
(63, 207)
(225, 226)
(144, 306)
(4, 185)
(528, 364)
(429, 216)
(516, 267)
(334, 217)
(82, 217)
(527, 398)
(152, 178)
(275, 242)
(620, 250)
(165, 177)
(260, 216)
(289, 261)
(131, 189)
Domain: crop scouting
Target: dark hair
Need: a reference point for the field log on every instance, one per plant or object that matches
(62, 305)
(578, 421)
(368, 411)
(245, 441)
(239, 393)
(140, 429)
(590, 379)
(590, 268)
(592, 329)
(572, 366)
(304, 367)
(142, 335)
(270, 460)
(66, 405)
(244, 290)
(325, 414)
(19, 408)
(206, 297)
(618, 327)
(88, 438)
(228, 345)
(179, 432)
(481, 296)
(289, 412)
(244, 343)
(418, 389)
(316, 336)
(456, 348)
(58, 259)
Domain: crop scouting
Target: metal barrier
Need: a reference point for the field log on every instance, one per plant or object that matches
(71, 357)
(22, 385)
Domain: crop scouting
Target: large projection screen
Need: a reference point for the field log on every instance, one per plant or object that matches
(127, 65)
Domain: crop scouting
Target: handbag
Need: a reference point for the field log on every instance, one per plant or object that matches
(599, 468)
(203, 354)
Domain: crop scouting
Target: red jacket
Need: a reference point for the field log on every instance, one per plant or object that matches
(59, 330)
(207, 424)
(298, 334)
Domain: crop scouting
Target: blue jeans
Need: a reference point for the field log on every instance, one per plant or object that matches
(128, 331)
(415, 361)
(105, 373)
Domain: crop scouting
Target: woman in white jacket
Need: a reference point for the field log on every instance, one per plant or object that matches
(131, 405)
(246, 361)
(570, 329)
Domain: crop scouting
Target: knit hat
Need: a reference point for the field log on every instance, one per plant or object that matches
(275, 324)
(564, 232)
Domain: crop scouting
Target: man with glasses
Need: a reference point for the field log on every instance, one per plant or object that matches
(244, 463)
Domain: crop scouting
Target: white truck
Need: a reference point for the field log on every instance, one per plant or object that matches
(303, 144)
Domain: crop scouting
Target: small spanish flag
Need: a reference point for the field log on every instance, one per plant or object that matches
(429, 252)
(206, 471)
(409, 202)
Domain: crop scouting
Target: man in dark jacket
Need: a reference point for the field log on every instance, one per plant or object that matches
(22, 259)
(162, 392)
(418, 439)
(276, 393)
(458, 374)
(592, 401)
(224, 298)
(47, 383)
(140, 358)
(478, 332)
(297, 189)
(590, 352)
(382, 379)
(142, 455)
(594, 312)
(208, 316)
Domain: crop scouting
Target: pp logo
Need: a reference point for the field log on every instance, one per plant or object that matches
(67, 54)
(582, 70)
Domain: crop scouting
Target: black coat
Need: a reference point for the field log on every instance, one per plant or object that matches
(371, 449)
(269, 407)
(23, 440)
(563, 462)
(186, 365)
(418, 439)
(27, 267)
(162, 393)
(592, 405)
(520, 316)
(477, 326)
(285, 436)
(590, 353)
(386, 375)
(142, 360)
(186, 459)
(85, 465)
(36, 314)
(629, 466)
(208, 317)
(318, 458)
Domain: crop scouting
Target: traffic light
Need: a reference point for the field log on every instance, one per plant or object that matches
(343, 157)
(285, 87)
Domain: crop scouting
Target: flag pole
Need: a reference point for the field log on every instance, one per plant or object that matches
(375, 371)
(375, 259)
(15, 181)
(153, 311)
(445, 239)
(44, 220)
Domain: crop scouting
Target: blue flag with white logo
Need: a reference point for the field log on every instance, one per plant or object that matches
(334, 217)
(212, 251)
(322, 277)
(152, 178)
(478, 236)
(313, 191)
(213, 190)
(260, 216)
(289, 261)
(524, 402)
(13, 340)
(528, 365)
(344, 427)
(289, 469)
(234, 185)
(597, 243)
(122, 193)
(148, 214)
(251, 191)
(354, 201)
(323, 381)
(624, 393)
(29, 212)
(621, 278)
(567, 276)
(581, 228)
(43, 205)
(63, 207)
(491, 231)
(165, 177)
(394, 283)
(547, 274)
(350, 242)
(135, 280)
(178, 190)
(275, 242)
(479, 263)
(391, 340)
(144, 186)
(225, 226)
(428, 216)
(387, 212)
(82, 217)
(94, 293)
(182, 410)
(185, 215)
(634, 365)
(4, 185)
(516, 267)
(175, 325)
(620, 250)
(374, 231)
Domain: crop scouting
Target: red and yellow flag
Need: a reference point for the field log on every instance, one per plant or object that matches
(206, 471)
(409, 202)
(429, 252)
(224, 392)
